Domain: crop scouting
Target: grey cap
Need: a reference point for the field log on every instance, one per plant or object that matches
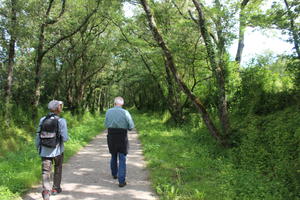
(54, 104)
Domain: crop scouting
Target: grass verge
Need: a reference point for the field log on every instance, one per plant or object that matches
(186, 164)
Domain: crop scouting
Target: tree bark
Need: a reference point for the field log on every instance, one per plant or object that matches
(242, 27)
(11, 57)
(217, 67)
(102, 98)
(171, 65)
(174, 106)
(38, 66)
(296, 37)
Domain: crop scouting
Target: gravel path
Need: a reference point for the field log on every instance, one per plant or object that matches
(86, 176)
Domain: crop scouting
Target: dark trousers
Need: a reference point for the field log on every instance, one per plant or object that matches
(118, 169)
(46, 172)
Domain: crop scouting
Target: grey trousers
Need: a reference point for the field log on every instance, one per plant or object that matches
(46, 172)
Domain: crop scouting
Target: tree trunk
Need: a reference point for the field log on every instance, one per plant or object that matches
(217, 67)
(171, 65)
(241, 44)
(242, 27)
(69, 95)
(11, 58)
(172, 99)
(102, 100)
(79, 99)
(38, 62)
(38, 66)
(295, 35)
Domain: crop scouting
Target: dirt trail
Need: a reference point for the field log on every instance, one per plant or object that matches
(86, 176)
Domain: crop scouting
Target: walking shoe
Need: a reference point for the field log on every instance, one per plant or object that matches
(56, 191)
(115, 177)
(46, 195)
(122, 184)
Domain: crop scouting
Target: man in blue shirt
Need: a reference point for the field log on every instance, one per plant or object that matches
(52, 154)
(117, 122)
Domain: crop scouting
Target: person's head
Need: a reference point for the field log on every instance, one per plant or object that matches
(119, 101)
(55, 106)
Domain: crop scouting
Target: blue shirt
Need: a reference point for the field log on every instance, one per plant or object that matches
(59, 149)
(117, 117)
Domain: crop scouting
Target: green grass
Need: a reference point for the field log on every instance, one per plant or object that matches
(185, 163)
(180, 167)
(20, 169)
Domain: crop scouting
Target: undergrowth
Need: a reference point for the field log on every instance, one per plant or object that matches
(187, 164)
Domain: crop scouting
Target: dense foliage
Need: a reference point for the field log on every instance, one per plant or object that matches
(186, 164)
(170, 56)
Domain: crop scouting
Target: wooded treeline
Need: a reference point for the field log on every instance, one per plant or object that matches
(86, 52)
(172, 55)
(55, 49)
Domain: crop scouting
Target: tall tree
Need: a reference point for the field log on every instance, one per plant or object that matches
(172, 66)
(42, 49)
(218, 65)
(86, 55)
(11, 53)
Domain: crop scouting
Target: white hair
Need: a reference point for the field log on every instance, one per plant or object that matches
(119, 100)
(54, 104)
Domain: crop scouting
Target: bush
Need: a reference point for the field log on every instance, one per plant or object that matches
(263, 91)
(270, 145)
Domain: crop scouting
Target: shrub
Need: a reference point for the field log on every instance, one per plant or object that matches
(270, 145)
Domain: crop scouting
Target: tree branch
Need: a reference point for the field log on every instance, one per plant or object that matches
(93, 73)
(85, 21)
(178, 9)
(192, 17)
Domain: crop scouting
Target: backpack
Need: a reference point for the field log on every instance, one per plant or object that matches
(49, 131)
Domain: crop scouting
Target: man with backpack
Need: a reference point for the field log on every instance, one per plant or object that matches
(51, 135)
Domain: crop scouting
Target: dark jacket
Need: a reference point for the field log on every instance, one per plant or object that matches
(117, 140)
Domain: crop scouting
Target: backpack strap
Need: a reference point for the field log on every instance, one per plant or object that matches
(40, 146)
